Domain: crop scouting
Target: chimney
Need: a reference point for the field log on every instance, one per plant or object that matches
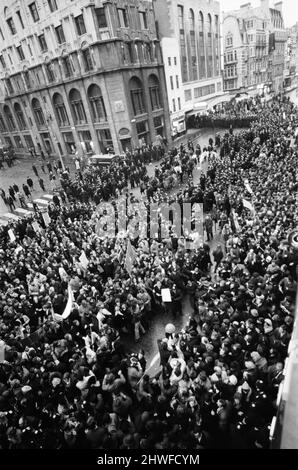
(278, 6)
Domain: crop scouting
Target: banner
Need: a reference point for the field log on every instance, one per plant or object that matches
(248, 205)
(69, 305)
(11, 235)
(46, 218)
(2, 351)
(130, 258)
(36, 227)
(166, 295)
(196, 175)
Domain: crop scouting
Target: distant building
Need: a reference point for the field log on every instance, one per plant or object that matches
(80, 76)
(189, 32)
(254, 47)
(291, 57)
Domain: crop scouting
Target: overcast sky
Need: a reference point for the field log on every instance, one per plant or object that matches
(290, 8)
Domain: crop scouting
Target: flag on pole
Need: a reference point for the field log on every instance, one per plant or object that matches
(130, 258)
(69, 305)
(248, 205)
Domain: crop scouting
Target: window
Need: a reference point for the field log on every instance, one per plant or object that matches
(2, 61)
(175, 60)
(137, 98)
(171, 82)
(52, 5)
(20, 117)
(143, 20)
(105, 140)
(88, 63)
(77, 106)
(30, 50)
(29, 141)
(42, 43)
(2, 124)
(142, 131)
(60, 110)
(18, 141)
(46, 139)
(187, 94)
(38, 113)
(97, 104)
(34, 12)
(1, 34)
(101, 17)
(20, 52)
(60, 34)
(169, 61)
(179, 103)
(11, 26)
(86, 140)
(27, 80)
(122, 17)
(69, 142)
(177, 81)
(20, 19)
(8, 141)
(174, 105)
(80, 25)
(158, 125)
(154, 92)
(9, 119)
(50, 72)
(9, 86)
(68, 67)
(180, 17)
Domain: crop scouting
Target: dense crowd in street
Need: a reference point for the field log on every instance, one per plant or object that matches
(71, 384)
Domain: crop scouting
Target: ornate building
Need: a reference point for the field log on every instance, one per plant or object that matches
(80, 75)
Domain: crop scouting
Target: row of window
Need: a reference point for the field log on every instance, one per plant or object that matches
(170, 61)
(199, 92)
(52, 4)
(96, 102)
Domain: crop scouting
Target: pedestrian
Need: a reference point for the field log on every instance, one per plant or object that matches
(26, 191)
(35, 170)
(15, 188)
(49, 166)
(10, 202)
(218, 256)
(42, 168)
(30, 183)
(11, 192)
(41, 184)
(3, 195)
(22, 201)
(208, 223)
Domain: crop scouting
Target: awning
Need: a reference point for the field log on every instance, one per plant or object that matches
(219, 99)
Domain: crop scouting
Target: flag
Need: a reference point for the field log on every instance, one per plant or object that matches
(248, 205)
(84, 260)
(69, 305)
(130, 258)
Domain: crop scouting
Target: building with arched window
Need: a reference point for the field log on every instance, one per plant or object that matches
(190, 41)
(71, 76)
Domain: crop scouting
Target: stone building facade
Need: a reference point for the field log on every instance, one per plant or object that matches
(80, 76)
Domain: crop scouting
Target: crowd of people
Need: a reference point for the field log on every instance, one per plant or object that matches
(70, 382)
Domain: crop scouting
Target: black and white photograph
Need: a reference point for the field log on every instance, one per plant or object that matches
(148, 231)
